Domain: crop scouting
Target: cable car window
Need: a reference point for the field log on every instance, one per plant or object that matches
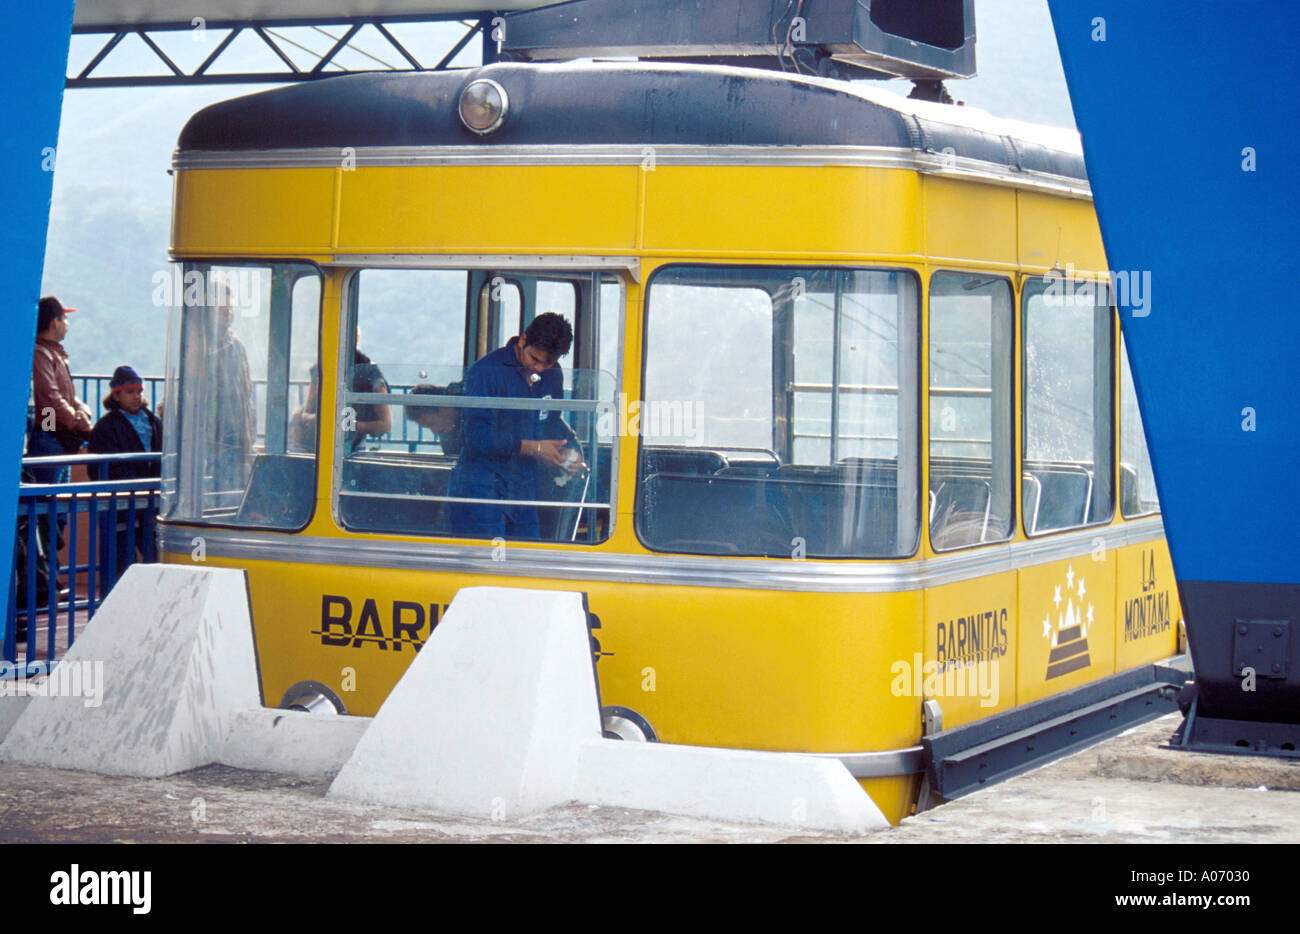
(409, 318)
(779, 412)
(242, 342)
(610, 321)
(509, 314)
(560, 298)
(714, 389)
(478, 451)
(971, 480)
(1137, 479)
(1068, 404)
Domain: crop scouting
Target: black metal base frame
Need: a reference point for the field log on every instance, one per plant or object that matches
(1236, 737)
(967, 758)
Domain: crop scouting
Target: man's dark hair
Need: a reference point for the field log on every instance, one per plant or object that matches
(48, 309)
(551, 333)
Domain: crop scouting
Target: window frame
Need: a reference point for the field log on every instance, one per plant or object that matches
(1103, 376)
(1126, 365)
(917, 512)
(348, 317)
(1014, 391)
(176, 339)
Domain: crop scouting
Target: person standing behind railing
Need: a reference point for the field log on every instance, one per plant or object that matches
(128, 427)
(234, 416)
(62, 423)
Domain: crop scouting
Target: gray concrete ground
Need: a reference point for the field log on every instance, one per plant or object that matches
(1127, 789)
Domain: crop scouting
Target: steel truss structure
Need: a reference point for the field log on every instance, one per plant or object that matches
(269, 31)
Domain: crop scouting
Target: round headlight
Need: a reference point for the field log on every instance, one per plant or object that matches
(483, 105)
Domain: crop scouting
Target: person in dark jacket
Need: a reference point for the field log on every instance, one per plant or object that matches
(503, 449)
(127, 427)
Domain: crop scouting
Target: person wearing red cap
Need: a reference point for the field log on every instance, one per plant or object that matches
(61, 424)
(62, 421)
(127, 426)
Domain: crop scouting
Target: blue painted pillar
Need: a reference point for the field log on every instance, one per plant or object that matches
(33, 62)
(1190, 125)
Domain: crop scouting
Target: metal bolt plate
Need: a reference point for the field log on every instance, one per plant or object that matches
(1262, 645)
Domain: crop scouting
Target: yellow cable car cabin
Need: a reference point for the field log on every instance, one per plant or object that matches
(855, 426)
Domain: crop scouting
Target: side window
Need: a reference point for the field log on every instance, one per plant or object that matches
(1068, 401)
(410, 331)
(560, 298)
(429, 444)
(845, 360)
(711, 382)
(778, 413)
(509, 316)
(971, 440)
(609, 340)
(242, 343)
(1137, 479)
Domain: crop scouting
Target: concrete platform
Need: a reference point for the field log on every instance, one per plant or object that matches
(1075, 800)
(1123, 790)
(1142, 761)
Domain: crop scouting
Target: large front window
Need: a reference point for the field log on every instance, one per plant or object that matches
(243, 341)
(779, 413)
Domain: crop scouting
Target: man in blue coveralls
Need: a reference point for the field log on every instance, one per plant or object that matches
(503, 449)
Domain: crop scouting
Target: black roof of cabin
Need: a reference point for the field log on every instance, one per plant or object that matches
(629, 104)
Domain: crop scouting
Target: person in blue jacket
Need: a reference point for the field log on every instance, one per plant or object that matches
(502, 450)
(127, 426)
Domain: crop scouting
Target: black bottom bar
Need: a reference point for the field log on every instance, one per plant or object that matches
(966, 758)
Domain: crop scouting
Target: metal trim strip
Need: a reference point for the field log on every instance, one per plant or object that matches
(909, 760)
(929, 163)
(809, 576)
(531, 404)
(458, 261)
(430, 498)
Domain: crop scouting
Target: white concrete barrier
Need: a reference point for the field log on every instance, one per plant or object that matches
(152, 684)
(785, 789)
(291, 741)
(12, 705)
(487, 720)
(497, 717)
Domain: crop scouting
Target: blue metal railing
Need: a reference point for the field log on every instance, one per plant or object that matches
(91, 389)
(116, 515)
(415, 437)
